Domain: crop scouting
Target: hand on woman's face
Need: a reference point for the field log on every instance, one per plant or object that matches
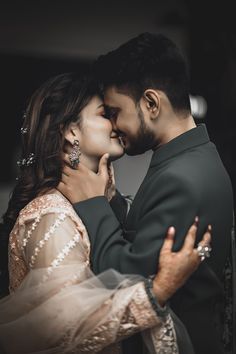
(96, 135)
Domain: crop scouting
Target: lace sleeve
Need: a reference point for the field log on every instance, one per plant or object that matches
(61, 307)
(127, 313)
(55, 241)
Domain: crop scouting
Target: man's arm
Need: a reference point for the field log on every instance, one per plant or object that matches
(120, 205)
(174, 205)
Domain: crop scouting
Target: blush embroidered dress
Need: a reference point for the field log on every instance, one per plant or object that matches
(57, 305)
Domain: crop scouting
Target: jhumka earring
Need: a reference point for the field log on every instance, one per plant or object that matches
(75, 154)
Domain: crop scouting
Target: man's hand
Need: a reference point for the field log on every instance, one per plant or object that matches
(111, 185)
(82, 183)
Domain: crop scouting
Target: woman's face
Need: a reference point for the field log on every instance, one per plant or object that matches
(95, 133)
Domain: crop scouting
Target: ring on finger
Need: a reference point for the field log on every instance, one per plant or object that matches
(203, 251)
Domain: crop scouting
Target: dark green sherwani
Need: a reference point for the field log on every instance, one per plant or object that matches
(185, 178)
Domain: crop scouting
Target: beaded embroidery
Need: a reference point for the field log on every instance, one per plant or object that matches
(126, 316)
(61, 256)
(47, 236)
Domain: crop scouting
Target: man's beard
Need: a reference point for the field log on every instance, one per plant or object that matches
(143, 141)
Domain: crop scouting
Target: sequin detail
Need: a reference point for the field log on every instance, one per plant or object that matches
(164, 339)
(33, 212)
(127, 312)
(47, 236)
(17, 266)
(29, 232)
(61, 256)
(128, 318)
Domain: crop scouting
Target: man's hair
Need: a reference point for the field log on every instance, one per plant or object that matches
(146, 61)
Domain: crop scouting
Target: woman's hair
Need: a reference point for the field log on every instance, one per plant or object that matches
(51, 108)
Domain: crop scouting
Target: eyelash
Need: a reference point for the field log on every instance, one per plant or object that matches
(104, 115)
(111, 113)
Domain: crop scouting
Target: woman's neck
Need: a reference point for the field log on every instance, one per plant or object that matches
(90, 162)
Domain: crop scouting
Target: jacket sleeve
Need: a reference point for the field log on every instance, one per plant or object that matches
(120, 205)
(176, 204)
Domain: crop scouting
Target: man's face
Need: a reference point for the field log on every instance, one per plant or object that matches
(129, 122)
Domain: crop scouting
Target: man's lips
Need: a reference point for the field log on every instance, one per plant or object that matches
(119, 136)
(122, 141)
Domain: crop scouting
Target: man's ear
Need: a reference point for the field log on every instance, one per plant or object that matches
(152, 101)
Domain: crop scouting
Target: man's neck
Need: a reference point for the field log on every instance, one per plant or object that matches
(172, 131)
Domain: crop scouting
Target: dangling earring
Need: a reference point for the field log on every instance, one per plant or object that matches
(75, 154)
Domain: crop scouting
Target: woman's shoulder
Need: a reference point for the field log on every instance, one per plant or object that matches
(51, 202)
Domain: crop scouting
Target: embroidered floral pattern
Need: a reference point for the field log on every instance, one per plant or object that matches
(125, 313)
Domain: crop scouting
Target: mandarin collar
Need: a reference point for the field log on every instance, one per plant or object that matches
(193, 137)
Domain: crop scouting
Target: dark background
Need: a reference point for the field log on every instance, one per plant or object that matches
(39, 39)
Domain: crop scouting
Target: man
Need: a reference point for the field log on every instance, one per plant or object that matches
(145, 83)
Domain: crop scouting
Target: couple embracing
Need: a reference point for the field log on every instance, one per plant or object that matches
(91, 271)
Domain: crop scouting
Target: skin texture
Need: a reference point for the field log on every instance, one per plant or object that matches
(142, 126)
(175, 267)
(129, 120)
(95, 134)
(152, 117)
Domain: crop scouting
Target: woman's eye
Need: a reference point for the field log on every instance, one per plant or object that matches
(104, 115)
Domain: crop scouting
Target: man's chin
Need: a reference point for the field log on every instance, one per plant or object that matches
(134, 151)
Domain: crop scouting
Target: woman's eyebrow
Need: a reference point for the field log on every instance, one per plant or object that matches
(101, 105)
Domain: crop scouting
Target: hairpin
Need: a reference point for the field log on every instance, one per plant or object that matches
(23, 130)
(27, 161)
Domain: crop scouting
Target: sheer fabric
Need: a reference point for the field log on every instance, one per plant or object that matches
(57, 305)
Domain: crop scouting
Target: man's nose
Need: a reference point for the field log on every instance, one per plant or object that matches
(113, 123)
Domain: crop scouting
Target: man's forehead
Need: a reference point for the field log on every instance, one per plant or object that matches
(110, 92)
(113, 98)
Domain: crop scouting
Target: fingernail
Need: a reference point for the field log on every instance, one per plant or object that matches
(209, 228)
(196, 221)
(171, 229)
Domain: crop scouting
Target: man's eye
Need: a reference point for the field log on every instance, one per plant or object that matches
(111, 113)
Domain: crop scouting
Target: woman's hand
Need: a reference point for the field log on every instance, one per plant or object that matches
(176, 267)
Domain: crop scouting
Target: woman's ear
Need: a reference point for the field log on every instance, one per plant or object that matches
(71, 133)
(152, 102)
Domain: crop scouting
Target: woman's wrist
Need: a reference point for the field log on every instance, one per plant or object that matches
(153, 292)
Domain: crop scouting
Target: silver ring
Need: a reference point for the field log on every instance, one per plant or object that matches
(203, 251)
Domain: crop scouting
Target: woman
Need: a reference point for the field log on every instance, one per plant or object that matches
(56, 304)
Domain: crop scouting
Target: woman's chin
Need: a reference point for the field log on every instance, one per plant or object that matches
(116, 155)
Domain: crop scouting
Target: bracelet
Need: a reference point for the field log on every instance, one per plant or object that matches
(160, 311)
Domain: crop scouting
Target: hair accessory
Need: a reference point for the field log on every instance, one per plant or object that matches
(75, 154)
(27, 161)
(23, 130)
